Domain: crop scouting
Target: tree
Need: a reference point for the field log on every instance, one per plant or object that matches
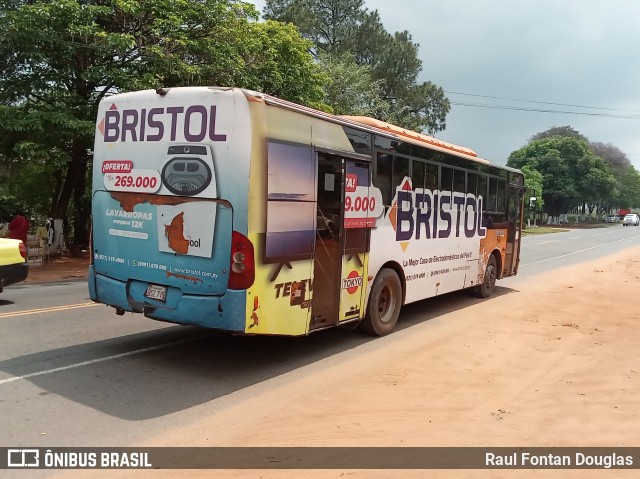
(628, 188)
(570, 169)
(424, 107)
(612, 155)
(534, 182)
(275, 60)
(627, 179)
(330, 24)
(341, 27)
(564, 131)
(578, 172)
(350, 88)
(549, 158)
(59, 59)
(596, 185)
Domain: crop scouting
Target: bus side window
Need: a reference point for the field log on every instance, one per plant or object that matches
(459, 183)
(446, 179)
(472, 184)
(502, 196)
(383, 177)
(360, 140)
(492, 198)
(417, 174)
(400, 171)
(481, 190)
(431, 177)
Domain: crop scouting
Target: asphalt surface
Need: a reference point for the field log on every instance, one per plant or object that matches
(74, 374)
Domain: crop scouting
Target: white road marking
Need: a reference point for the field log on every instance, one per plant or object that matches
(579, 251)
(571, 238)
(48, 310)
(99, 360)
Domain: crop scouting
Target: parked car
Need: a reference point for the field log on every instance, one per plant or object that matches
(611, 219)
(631, 219)
(13, 262)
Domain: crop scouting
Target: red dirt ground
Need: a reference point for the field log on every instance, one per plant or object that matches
(58, 269)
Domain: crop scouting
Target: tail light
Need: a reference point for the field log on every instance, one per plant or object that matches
(23, 250)
(243, 271)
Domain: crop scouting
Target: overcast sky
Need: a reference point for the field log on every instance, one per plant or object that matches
(501, 61)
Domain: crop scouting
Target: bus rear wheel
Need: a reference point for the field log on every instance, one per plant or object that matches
(384, 304)
(485, 289)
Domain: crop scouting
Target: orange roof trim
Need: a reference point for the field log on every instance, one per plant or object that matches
(370, 122)
(366, 120)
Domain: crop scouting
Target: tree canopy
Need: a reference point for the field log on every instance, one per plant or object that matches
(353, 35)
(565, 131)
(59, 59)
(577, 173)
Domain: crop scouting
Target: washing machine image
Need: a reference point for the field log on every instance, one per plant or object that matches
(189, 171)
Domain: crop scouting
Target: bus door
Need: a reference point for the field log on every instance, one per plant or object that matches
(339, 261)
(515, 208)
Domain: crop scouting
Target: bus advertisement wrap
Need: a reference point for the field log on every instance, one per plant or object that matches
(235, 210)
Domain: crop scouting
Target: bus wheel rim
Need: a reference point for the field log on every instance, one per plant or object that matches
(385, 304)
(491, 277)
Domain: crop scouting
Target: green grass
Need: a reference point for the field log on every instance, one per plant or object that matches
(542, 230)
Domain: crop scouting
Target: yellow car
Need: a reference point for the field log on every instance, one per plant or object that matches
(13, 262)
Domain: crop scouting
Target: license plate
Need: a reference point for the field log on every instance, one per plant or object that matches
(157, 292)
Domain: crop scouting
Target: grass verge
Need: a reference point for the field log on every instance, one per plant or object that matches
(542, 230)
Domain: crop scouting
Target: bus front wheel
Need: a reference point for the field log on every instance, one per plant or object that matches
(485, 289)
(384, 304)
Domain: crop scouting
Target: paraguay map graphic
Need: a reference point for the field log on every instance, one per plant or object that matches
(175, 234)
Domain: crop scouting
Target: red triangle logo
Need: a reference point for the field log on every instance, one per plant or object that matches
(113, 107)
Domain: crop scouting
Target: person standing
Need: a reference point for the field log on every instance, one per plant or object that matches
(19, 227)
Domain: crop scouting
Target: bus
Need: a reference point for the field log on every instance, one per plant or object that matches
(234, 210)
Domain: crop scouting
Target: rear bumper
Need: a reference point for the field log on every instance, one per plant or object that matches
(226, 312)
(13, 273)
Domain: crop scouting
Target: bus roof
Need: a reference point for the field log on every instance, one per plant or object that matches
(368, 124)
(411, 135)
(374, 126)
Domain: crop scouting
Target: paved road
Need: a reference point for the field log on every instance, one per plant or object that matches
(75, 374)
(543, 253)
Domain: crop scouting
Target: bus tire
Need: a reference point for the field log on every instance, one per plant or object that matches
(384, 304)
(485, 289)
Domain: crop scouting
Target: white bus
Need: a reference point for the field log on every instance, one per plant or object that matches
(230, 209)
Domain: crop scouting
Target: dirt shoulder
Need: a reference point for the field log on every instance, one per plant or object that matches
(555, 363)
(58, 268)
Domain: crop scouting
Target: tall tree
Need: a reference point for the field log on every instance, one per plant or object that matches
(628, 188)
(350, 89)
(332, 25)
(59, 59)
(613, 156)
(345, 28)
(534, 182)
(564, 131)
(568, 166)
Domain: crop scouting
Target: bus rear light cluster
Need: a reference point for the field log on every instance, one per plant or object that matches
(242, 272)
(23, 250)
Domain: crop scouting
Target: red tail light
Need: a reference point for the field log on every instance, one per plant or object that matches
(23, 250)
(243, 271)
